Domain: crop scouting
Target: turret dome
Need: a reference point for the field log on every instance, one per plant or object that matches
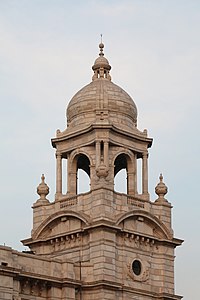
(102, 100)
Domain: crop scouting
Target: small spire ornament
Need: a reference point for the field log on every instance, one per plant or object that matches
(161, 190)
(101, 46)
(43, 191)
(101, 65)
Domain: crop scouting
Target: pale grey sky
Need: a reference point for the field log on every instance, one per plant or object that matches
(47, 50)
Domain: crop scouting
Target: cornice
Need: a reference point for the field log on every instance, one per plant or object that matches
(140, 136)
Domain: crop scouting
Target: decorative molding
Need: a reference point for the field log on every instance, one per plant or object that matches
(69, 202)
(149, 217)
(56, 216)
(135, 202)
(144, 276)
(33, 287)
(63, 241)
(141, 242)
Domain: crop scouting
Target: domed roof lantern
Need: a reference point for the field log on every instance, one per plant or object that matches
(101, 65)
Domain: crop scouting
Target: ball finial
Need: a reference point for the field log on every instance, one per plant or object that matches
(101, 46)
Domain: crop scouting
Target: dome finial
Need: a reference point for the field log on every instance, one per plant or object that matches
(101, 65)
(101, 46)
(161, 177)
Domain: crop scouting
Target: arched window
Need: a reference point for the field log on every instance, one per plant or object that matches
(120, 174)
(83, 182)
(120, 181)
(83, 174)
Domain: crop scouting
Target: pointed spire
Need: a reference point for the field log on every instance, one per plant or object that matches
(161, 177)
(101, 46)
(42, 178)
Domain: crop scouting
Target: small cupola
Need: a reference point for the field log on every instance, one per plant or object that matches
(101, 66)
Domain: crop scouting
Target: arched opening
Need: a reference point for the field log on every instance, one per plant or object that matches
(120, 174)
(120, 181)
(83, 182)
(83, 174)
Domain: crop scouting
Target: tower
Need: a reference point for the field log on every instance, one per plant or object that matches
(101, 244)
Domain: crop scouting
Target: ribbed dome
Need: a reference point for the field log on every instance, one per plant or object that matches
(102, 100)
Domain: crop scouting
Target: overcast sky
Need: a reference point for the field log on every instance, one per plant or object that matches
(46, 53)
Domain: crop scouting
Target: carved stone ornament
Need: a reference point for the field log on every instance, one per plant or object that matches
(102, 171)
(43, 191)
(161, 190)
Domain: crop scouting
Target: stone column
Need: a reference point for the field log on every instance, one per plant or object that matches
(130, 183)
(130, 176)
(58, 173)
(106, 160)
(71, 175)
(73, 183)
(98, 153)
(145, 173)
(135, 174)
(68, 174)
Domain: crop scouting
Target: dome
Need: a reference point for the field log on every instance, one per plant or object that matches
(102, 100)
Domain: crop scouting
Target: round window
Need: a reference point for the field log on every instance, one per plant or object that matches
(136, 267)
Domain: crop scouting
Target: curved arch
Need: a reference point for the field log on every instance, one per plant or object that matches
(79, 152)
(79, 159)
(149, 217)
(125, 159)
(123, 151)
(57, 216)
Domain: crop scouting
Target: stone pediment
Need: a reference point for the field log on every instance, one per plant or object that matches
(143, 222)
(60, 223)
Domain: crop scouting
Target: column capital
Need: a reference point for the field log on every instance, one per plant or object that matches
(145, 154)
(58, 154)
